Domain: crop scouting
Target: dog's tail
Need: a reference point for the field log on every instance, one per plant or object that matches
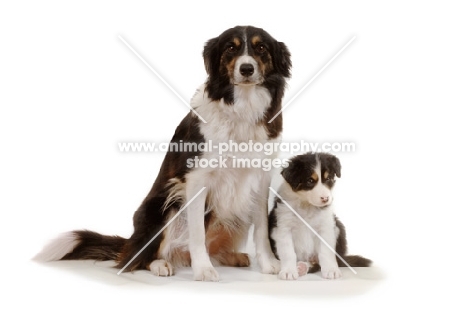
(354, 261)
(82, 244)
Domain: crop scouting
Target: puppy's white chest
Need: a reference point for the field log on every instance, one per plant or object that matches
(306, 237)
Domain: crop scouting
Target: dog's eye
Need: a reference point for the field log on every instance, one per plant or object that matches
(261, 48)
(232, 48)
(310, 181)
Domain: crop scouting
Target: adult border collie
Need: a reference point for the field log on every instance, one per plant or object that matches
(247, 71)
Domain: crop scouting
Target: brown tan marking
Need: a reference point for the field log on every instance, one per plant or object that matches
(326, 174)
(237, 42)
(222, 242)
(264, 61)
(265, 66)
(314, 176)
(229, 64)
(255, 40)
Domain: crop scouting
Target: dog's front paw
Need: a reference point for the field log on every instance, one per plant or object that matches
(302, 268)
(205, 274)
(269, 265)
(161, 268)
(288, 274)
(331, 273)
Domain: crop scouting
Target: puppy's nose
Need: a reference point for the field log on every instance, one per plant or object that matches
(325, 199)
(246, 69)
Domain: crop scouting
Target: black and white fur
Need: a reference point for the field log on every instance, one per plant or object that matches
(247, 71)
(308, 183)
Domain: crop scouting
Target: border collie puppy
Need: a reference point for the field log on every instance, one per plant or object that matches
(247, 70)
(307, 188)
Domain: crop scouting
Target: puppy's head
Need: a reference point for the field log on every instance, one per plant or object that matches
(312, 177)
(243, 56)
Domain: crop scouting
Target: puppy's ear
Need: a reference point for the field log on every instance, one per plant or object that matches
(211, 56)
(337, 166)
(333, 163)
(290, 174)
(282, 59)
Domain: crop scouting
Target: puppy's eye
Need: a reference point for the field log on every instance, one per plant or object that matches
(310, 181)
(261, 48)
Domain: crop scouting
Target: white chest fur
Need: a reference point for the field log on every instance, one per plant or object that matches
(239, 121)
(233, 190)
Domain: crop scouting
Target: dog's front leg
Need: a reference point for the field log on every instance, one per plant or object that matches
(265, 257)
(286, 254)
(201, 265)
(326, 256)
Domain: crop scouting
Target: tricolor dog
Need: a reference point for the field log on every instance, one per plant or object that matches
(247, 71)
(307, 188)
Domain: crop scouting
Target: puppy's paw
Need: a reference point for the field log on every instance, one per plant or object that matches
(161, 268)
(288, 274)
(205, 274)
(331, 273)
(269, 265)
(302, 268)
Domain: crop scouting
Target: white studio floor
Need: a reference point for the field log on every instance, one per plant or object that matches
(96, 285)
(74, 280)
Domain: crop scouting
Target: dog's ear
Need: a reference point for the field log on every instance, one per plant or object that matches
(282, 59)
(211, 56)
(290, 174)
(336, 166)
(332, 163)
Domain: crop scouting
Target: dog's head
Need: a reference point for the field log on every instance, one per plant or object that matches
(244, 56)
(312, 177)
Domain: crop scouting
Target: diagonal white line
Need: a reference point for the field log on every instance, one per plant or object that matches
(159, 232)
(313, 230)
(160, 77)
(312, 79)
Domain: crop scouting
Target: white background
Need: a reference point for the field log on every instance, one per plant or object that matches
(70, 90)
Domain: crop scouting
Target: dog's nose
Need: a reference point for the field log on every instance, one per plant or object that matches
(325, 199)
(246, 69)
